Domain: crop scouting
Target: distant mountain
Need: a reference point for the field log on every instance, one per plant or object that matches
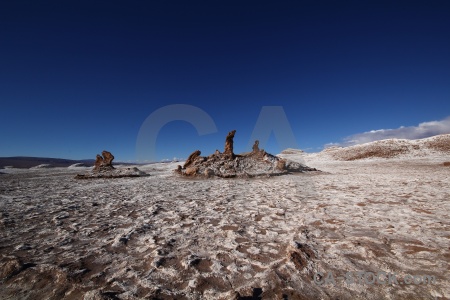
(25, 162)
(392, 148)
(438, 145)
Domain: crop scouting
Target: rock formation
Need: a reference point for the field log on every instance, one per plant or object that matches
(191, 158)
(255, 147)
(190, 171)
(227, 164)
(256, 152)
(104, 162)
(107, 158)
(229, 144)
(103, 168)
(98, 162)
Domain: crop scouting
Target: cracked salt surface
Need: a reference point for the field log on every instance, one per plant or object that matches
(174, 238)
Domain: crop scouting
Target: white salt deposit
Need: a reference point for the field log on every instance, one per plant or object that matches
(169, 237)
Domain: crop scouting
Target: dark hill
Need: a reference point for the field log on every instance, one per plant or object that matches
(24, 162)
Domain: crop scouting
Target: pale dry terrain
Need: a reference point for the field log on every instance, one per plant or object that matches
(166, 237)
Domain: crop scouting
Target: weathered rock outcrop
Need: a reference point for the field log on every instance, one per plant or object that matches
(229, 144)
(191, 158)
(107, 158)
(98, 161)
(103, 168)
(104, 162)
(227, 164)
(255, 147)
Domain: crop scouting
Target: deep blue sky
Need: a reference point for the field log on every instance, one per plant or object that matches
(79, 77)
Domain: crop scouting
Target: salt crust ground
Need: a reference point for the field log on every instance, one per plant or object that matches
(173, 238)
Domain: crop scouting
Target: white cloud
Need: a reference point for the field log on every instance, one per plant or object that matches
(332, 145)
(423, 130)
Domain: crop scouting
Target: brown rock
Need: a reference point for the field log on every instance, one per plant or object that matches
(191, 158)
(229, 144)
(256, 146)
(98, 162)
(107, 158)
(281, 164)
(104, 162)
(190, 171)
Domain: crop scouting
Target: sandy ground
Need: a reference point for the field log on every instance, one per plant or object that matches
(165, 237)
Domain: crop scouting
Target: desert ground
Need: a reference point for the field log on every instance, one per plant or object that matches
(169, 237)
